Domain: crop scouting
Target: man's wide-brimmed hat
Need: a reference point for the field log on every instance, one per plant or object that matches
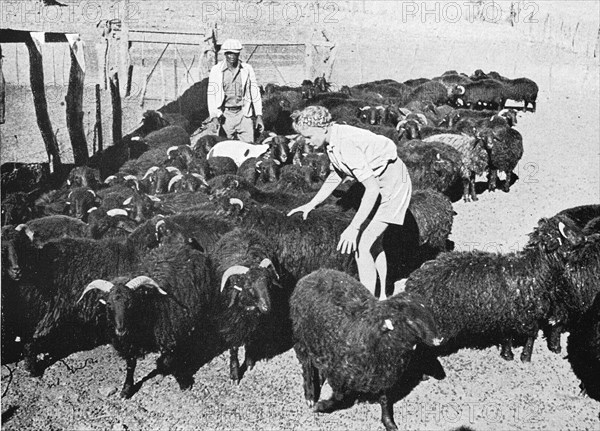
(231, 45)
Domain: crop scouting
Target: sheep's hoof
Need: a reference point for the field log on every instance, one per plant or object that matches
(389, 425)
(526, 357)
(324, 406)
(507, 356)
(127, 392)
(310, 403)
(34, 368)
(185, 383)
(554, 348)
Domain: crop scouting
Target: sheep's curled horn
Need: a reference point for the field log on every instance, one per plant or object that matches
(401, 124)
(201, 178)
(236, 201)
(116, 211)
(171, 149)
(423, 118)
(234, 270)
(174, 180)
(150, 171)
(240, 269)
(134, 283)
(266, 263)
(28, 231)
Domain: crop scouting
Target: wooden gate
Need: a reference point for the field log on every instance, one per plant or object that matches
(155, 67)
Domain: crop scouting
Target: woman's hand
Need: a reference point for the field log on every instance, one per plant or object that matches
(348, 238)
(304, 209)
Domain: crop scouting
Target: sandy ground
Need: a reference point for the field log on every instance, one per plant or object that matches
(560, 169)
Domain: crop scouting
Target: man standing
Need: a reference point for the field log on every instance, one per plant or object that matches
(234, 99)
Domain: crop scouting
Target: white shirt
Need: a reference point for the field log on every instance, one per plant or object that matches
(358, 152)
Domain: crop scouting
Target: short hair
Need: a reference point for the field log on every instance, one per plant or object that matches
(312, 116)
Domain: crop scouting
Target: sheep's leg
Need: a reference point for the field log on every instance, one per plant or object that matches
(234, 365)
(332, 404)
(506, 352)
(387, 413)
(31, 364)
(492, 178)
(249, 361)
(466, 197)
(527, 350)
(312, 386)
(553, 338)
(472, 188)
(506, 187)
(127, 390)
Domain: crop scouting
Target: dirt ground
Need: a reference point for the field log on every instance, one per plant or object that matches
(560, 169)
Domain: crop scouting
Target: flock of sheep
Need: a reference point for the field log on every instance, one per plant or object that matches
(177, 241)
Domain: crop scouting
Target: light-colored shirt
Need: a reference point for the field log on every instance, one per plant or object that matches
(233, 87)
(215, 94)
(358, 152)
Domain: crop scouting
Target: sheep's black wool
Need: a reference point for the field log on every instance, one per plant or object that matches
(359, 344)
(583, 349)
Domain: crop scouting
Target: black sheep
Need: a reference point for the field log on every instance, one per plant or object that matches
(17, 207)
(196, 316)
(583, 350)
(191, 104)
(80, 200)
(361, 345)
(83, 176)
(432, 165)
(480, 299)
(430, 91)
(244, 259)
(574, 261)
(504, 146)
(160, 310)
(487, 93)
(51, 281)
(48, 228)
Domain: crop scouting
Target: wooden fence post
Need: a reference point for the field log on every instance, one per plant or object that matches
(117, 120)
(208, 53)
(124, 49)
(36, 77)
(309, 61)
(99, 135)
(2, 91)
(74, 105)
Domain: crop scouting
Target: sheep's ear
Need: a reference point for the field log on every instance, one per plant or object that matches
(192, 242)
(574, 237)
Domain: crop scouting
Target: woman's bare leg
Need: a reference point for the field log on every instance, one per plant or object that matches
(367, 270)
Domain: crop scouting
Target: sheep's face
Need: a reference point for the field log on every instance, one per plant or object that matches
(160, 181)
(10, 262)
(308, 90)
(80, 201)
(412, 129)
(120, 309)
(279, 149)
(15, 209)
(250, 291)
(123, 308)
(553, 241)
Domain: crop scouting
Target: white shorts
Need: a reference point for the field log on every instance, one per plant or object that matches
(395, 188)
